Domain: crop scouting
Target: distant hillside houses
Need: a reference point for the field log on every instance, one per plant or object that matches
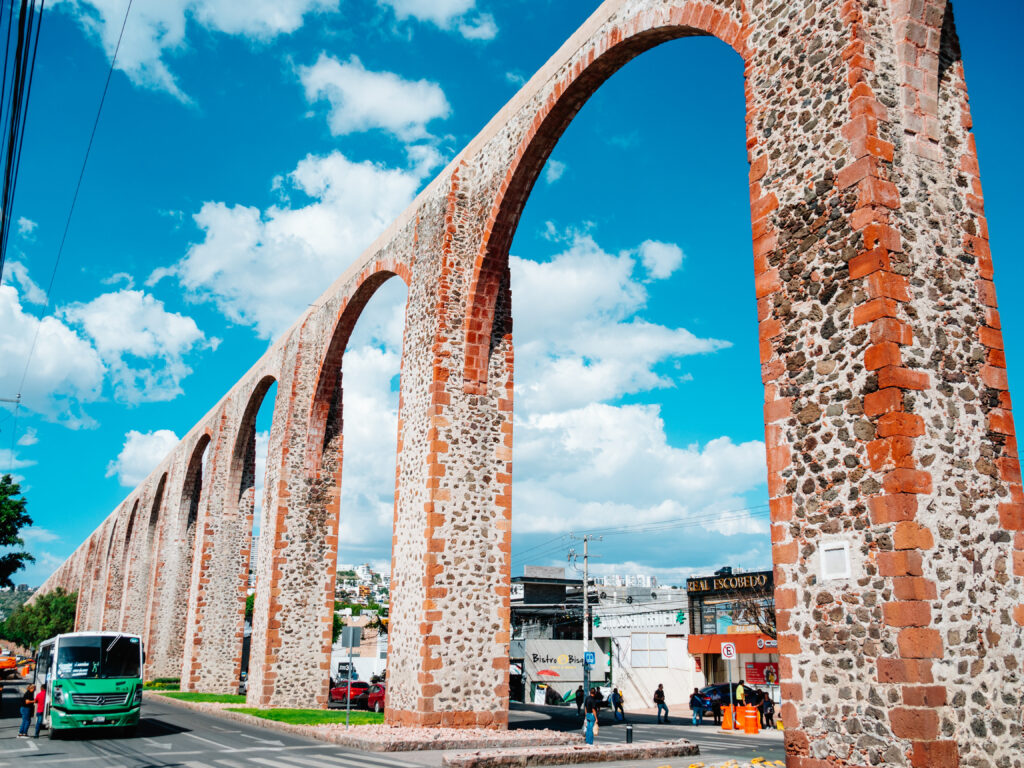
(361, 585)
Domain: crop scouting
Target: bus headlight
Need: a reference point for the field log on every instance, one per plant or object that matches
(138, 695)
(58, 695)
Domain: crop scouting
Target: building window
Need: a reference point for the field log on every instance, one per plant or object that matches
(648, 649)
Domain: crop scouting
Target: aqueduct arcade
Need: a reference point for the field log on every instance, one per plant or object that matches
(888, 424)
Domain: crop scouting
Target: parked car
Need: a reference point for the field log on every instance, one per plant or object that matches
(718, 696)
(375, 697)
(360, 690)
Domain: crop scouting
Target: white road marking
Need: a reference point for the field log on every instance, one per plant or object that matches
(157, 744)
(30, 746)
(271, 742)
(222, 747)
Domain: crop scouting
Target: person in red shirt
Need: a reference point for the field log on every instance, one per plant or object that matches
(40, 707)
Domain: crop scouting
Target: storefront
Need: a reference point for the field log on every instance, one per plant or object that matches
(737, 609)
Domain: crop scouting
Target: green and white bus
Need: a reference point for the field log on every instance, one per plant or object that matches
(93, 680)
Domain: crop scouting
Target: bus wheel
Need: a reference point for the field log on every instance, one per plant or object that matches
(54, 733)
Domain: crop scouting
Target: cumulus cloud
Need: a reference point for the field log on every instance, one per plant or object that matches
(447, 14)
(66, 369)
(660, 259)
(553, 171)
(155, 29)
(142, 343)
(26, 227)
(29, 437)
(30, 292)
(363, 100)
(579, 336)
(263, 268)
(141, 453)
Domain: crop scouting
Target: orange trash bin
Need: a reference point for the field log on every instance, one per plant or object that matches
(726, 717)
(751, 721)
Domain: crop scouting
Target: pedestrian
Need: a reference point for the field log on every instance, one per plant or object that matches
(40, 707)
(767, 712)
(697, 706)
(592, 726)
(659, 702)
(740, 693)
(580, 696)
(27, 702)
(620, 713)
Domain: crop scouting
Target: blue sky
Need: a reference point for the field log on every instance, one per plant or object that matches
(243, 160)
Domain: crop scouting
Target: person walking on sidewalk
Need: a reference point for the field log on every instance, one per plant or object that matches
(659, 701)
(580, 696)
(697, 706)
(767, 712)
(27, 703)
(592, 726)
(40, 707)
(616, 699)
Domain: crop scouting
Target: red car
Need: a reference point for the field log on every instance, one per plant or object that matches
(360, 690)
(375, 697)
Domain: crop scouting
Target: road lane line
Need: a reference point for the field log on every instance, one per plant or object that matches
(222, 747)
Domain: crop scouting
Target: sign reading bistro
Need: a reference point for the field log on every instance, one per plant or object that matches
(730, 583)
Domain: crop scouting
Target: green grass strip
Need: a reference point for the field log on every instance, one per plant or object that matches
(212, 698)
(312, 716)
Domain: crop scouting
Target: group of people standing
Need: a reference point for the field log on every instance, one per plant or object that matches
(700, 704)
(32, 702)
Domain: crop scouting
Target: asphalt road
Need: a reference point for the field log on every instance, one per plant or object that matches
(716, 745)
(174, 737)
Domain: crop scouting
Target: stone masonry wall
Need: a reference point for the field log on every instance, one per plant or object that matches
(888, 424)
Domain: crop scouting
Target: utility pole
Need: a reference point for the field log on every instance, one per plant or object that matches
(587, 538)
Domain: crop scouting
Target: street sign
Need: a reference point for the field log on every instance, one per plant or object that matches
(589, 657)
(728, 651)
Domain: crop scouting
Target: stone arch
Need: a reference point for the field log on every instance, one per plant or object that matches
(240, 501)
(323, 434)
(119, 553)
(605, 56)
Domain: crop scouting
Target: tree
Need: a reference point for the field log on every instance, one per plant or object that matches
(755, 607)
(12, 519)
(50, 614)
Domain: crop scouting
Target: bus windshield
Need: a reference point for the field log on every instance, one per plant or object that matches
(98, 656)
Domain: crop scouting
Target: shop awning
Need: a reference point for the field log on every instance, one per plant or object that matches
(746, 643)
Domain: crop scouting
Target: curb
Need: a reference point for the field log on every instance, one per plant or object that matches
(521, 757)
(344, 738)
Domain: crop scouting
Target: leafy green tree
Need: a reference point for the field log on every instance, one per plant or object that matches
(12, 519)
(50, 614)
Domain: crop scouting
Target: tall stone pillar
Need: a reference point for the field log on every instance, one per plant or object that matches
(893, 471)
(216, 613)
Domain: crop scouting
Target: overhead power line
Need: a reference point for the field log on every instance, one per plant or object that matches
(15, 89)
(67, 222)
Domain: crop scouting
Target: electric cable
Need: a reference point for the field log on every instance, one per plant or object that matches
(67, 222)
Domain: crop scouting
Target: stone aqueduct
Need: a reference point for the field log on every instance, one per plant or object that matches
(887, 413)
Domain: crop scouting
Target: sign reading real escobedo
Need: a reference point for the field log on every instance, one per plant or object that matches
(561, 661)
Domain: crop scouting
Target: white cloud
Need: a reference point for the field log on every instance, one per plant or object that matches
(579, 336)
(155, 29)
(26, 227)
(601, 465)
(362, 100)
(482, 27)
(29, 437)
(443, 13)
(66, 370)
(9, 460)
(660, 259)
(119, 277)
(30, 292)
(33, 535)
(142, 343)
(264, 268)
(515, 78)
(141, 453)
(553, 171)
